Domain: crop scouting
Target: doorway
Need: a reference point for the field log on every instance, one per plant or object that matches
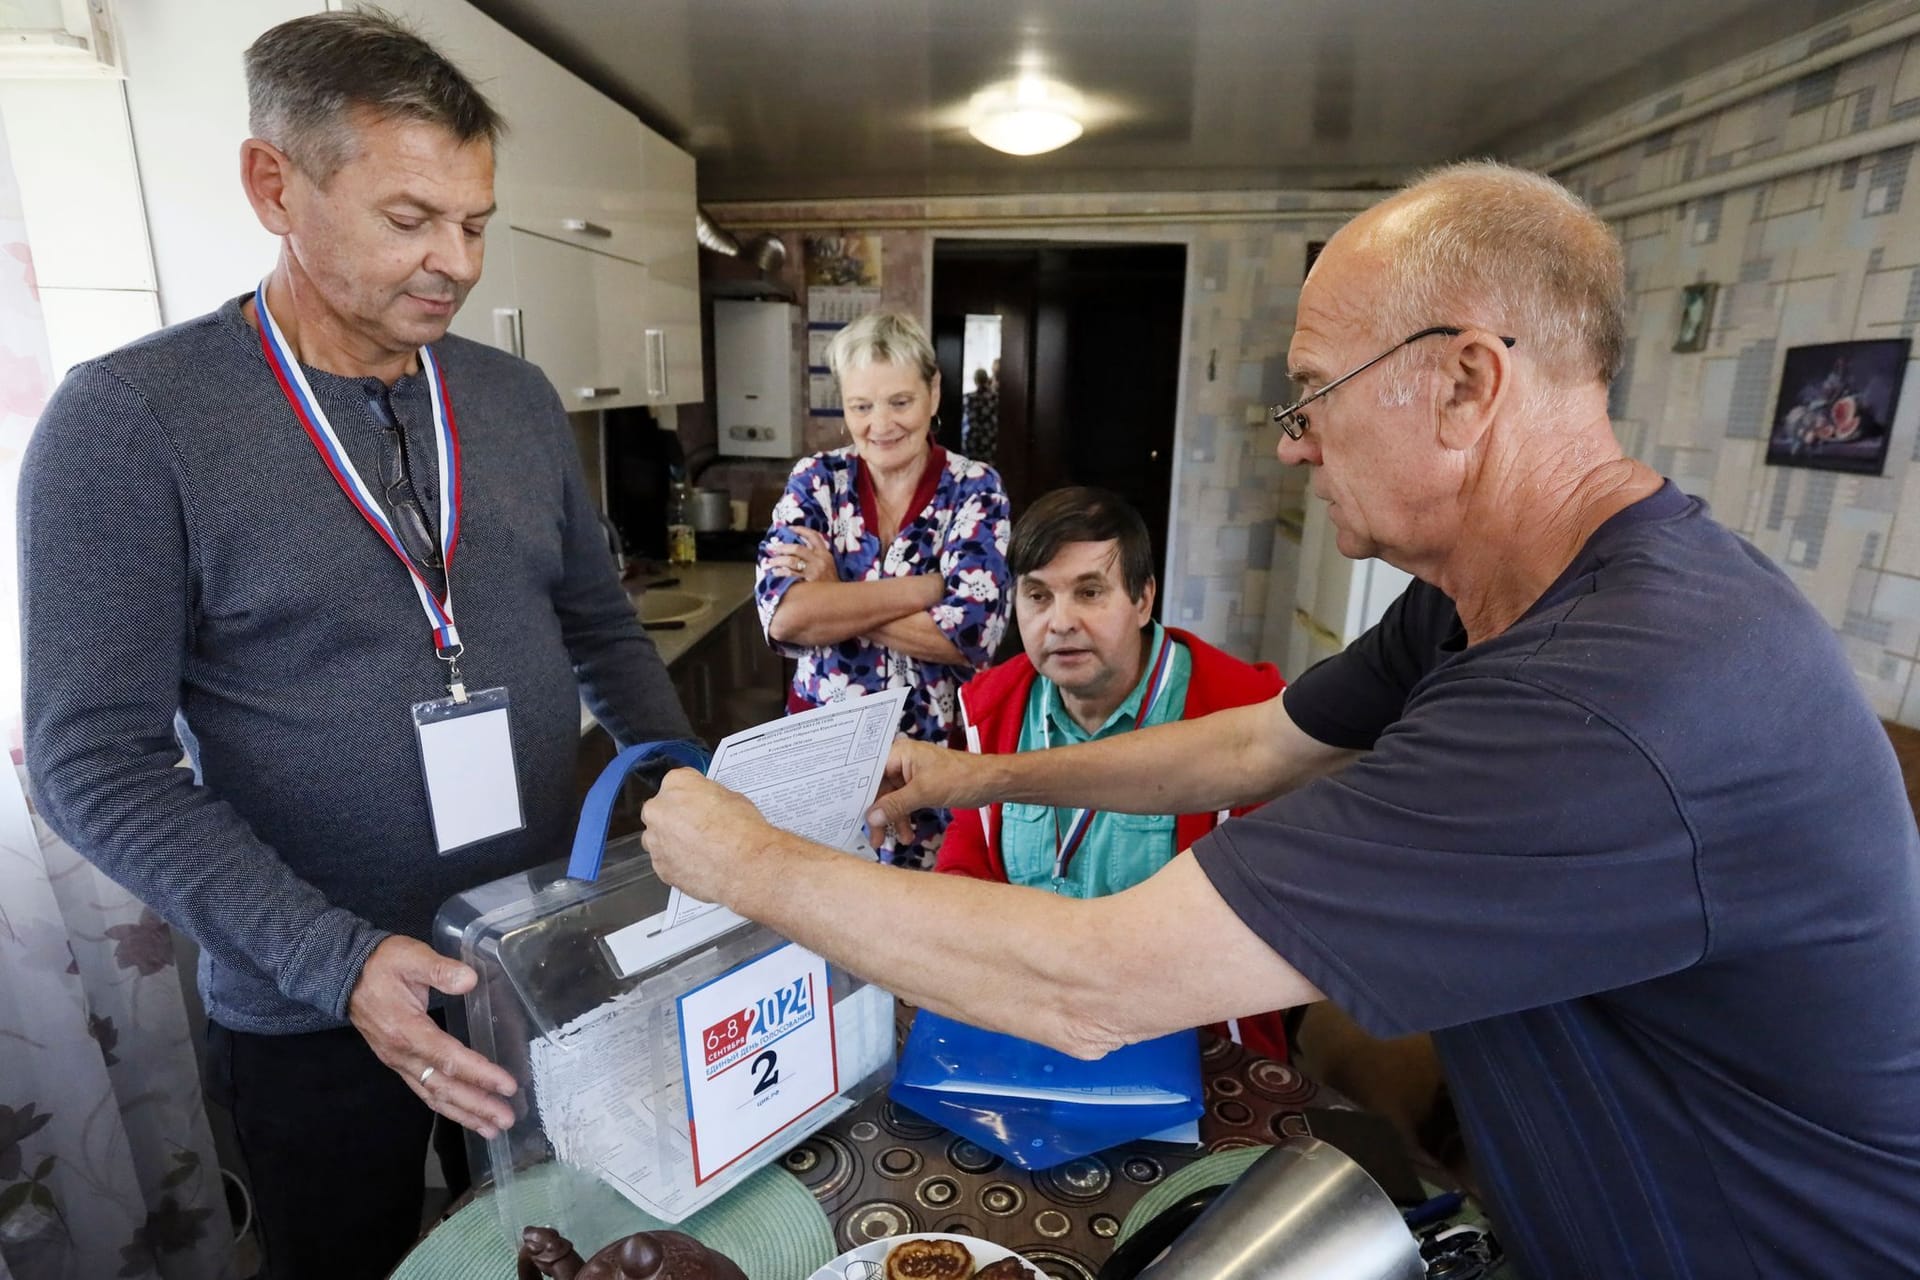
(1088, 339)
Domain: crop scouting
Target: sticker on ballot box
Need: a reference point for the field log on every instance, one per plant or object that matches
(756, 1044)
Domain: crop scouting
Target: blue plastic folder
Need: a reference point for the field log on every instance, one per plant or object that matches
(1037, 1107)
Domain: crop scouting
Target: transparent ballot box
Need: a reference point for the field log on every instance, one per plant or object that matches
(657, 1067)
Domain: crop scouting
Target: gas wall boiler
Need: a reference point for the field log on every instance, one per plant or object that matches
(755, 382)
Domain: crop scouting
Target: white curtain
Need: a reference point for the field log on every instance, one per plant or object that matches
(107, 1166)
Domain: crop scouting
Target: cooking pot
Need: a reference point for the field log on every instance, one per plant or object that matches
(710, 510)
(1303, 1211)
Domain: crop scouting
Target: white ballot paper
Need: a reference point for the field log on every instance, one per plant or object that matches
(814, 774)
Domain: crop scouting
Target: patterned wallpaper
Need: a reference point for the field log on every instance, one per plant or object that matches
(1246, 260)
(1826, 254)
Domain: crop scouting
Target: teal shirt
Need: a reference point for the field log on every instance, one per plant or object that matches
(1121, 849)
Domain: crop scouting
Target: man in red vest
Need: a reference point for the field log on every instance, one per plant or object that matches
(1096, 664)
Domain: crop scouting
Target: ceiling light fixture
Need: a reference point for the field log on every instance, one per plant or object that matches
(1026, 116)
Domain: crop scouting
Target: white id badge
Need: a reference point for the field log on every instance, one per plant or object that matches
(466, 751)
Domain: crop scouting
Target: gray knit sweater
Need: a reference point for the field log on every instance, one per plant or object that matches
(184, 553)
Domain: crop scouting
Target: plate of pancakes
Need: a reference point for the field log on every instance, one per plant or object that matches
(929, 1255)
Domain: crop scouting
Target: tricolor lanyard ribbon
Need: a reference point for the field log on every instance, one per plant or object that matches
(313, 420)
(1064, 847)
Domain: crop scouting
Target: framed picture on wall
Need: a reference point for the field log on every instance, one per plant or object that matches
(1836, 406)
(1696, 317)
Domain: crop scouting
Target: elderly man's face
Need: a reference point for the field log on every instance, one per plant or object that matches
(1377, 467)
(393, 240)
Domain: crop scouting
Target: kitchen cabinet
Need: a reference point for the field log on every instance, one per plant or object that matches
(187, 101)
(570, 164)
(578, 313)
(592, 270)
(85, 219)
(579, 173)
(676, 366)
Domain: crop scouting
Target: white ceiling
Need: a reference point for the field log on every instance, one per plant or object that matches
(786, 99)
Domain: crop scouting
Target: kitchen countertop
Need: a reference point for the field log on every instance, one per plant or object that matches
(728, 585)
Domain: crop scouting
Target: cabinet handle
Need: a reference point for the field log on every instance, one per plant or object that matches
(509, 330)
(580, 226)
(656, 362)
(596, 393)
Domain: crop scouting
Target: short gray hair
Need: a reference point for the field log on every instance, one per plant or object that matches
(882, 337)
(306, 77)
(1507, 249)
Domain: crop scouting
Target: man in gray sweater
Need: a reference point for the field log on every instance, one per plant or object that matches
(250, 533)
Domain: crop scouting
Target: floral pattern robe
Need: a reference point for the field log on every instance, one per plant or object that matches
(958, 527)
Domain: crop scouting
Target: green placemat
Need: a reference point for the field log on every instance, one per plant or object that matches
(770, 1225)
(1216, 1170)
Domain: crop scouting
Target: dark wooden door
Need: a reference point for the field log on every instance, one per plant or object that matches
(1089, 364)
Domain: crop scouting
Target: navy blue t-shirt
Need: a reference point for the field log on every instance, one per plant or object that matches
(1645, 866)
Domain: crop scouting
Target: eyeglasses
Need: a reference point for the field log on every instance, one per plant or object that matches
(403, 505)
(1294, 423)
(409, 521)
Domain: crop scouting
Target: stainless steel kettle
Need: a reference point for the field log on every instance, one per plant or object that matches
(1303, 1211)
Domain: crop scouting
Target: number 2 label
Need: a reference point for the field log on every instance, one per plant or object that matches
(767, 1078)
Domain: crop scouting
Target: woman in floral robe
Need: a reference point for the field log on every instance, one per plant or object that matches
(886, 564)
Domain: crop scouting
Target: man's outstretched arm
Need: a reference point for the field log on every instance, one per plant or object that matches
(1084, 976)
(1228, 760)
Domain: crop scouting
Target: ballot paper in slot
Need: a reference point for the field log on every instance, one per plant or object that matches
(598, 1046)
(815, 774)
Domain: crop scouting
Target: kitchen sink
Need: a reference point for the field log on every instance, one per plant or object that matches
(671, 606)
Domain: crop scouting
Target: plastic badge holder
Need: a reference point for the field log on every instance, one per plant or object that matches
(601, 1133)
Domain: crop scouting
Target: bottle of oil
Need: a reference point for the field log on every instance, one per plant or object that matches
(680, 545)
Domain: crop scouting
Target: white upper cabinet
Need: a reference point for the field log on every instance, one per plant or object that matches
(579, 319)
(187, 97)
(675, 368)
(570, 166)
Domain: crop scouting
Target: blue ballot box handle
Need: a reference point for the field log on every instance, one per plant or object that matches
(590, 837)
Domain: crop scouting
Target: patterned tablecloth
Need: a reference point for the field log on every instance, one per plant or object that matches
(881, 1170)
